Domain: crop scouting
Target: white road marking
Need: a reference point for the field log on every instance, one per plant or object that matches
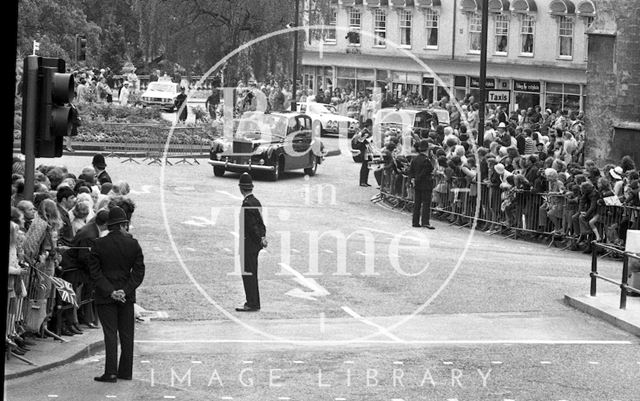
(169, 397)
(196, 362)
(316, 289)
(190, 249)
(184, 188)
(398, 363)
(230, 195)
(545, 362)
(145, 361)
(327, 251)
(496, 363)
(381, 329)
(226, 249)
(284, 398)
(349, 362)
(340, 399)
(194, 223)
(145, 189)
(452, 399)
(361, 253)
(52, 396)
(417, 342)
(295, 250)
(226, 398)
(594, 363)
(447, 363)
(247, 362)
(112, 396)
(298, 362)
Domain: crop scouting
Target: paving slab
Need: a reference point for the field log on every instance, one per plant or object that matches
(606, 306)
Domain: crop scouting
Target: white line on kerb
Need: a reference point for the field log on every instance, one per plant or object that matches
(545, 362)
(381, 329)
(52, 395)
(247, 362)
(196, 362)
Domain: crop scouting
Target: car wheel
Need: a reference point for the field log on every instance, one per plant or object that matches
(218, 171)
(311, 171)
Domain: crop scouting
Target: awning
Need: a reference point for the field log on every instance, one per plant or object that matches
(376, 3)
(498, 6)
(562, 7)
(471, 5)
(427, 3)
(586, 8)
(523, 6)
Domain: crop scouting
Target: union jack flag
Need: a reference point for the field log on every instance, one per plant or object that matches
(65, 290)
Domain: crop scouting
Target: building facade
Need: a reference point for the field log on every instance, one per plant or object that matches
(537, 49)
(613, 83)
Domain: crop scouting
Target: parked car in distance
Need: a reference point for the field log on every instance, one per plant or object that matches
(270, 142)
(161, 93)
(326, 120)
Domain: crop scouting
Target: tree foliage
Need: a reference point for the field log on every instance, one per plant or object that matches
(163, 34)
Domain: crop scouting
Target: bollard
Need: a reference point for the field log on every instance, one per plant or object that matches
(594, 270)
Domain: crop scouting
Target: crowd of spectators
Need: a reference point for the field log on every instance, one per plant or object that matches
(51, 236)
(534, 179)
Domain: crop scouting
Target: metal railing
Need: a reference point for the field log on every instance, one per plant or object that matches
(625, 288)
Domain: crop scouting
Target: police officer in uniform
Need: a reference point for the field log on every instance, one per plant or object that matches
(116, 265)
(421, 174)
(252, 240)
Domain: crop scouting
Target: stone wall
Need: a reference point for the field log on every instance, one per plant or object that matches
(613, 82)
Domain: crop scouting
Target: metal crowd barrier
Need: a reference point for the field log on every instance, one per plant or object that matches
(625, 288)
(153, 153)
(514, 211)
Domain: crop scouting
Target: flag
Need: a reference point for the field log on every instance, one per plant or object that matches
(64, 288)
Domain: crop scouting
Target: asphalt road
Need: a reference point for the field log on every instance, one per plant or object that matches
(357, 304)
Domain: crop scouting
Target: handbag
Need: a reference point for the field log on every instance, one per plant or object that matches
(36, 314)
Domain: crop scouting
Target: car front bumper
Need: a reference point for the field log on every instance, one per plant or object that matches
(240, 166)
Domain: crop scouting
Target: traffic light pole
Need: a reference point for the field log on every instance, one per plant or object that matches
(29, 110)
(483, 69)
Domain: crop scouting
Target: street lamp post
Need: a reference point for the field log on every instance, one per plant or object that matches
(295, 57)
(483, 68)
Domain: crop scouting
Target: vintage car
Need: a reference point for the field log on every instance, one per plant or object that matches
(269, 142)
(161, 93)
(404, 122)
(326, 120)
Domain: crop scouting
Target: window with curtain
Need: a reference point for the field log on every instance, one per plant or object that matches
(475, 30)
(565, 37)
(502, 34)
(405, 27)
(330, 33)
(380, 27)
(354, 26)
(527, 32)
(432, 20)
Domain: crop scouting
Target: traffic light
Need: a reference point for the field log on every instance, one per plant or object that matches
(47, 113)
(81, 47)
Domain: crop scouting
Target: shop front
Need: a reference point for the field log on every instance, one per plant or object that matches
(562, 96)
(526, 93)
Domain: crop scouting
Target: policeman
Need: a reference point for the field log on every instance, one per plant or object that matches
(421, 174)
(252, 240)
(116, 265)
(363, 146)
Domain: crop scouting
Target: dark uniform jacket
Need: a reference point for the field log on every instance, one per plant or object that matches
(103, 177)
(254, 228)
(116, 263)
(422, 170)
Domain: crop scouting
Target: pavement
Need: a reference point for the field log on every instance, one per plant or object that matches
(606, 306)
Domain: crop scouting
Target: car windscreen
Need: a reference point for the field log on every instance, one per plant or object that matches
(257, 125)
(163, 87)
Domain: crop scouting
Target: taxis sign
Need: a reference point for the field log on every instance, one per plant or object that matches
(498, 96)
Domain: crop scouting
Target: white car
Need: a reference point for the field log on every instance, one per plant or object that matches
(327, 121)
(161, 93)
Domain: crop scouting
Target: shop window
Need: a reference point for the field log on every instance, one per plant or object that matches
(565, 37)
(432, 21)
(380, 27)
(502, 34)
(563, 97)
(405, 28)
(475, 31)
(527, 32)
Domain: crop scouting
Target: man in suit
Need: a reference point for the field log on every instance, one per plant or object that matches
(75, 269)
(66, 200)
(252, 240)
(363, 142)
(116, 265)
(421, 174)
(99, 166)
